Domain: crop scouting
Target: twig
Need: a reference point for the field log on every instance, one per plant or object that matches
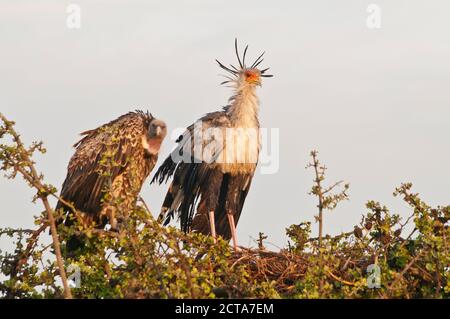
(318, 178)
(340, 279)
(400, 275)
(34, 179)
(31, 243)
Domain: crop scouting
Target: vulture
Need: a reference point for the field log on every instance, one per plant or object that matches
(110, 164)
(215, 159)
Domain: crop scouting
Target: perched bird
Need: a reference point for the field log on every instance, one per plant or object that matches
(215, 159)
(110, 164)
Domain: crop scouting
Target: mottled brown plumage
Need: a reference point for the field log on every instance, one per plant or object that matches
(113, 159)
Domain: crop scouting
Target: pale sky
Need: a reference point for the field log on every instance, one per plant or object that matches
(375, 103)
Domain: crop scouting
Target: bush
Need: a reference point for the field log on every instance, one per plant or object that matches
(377, 259)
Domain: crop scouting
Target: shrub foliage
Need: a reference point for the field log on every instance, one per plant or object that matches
(381, 257)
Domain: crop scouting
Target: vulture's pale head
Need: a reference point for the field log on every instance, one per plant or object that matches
(245, 75)
(156, 132)
(157, 129)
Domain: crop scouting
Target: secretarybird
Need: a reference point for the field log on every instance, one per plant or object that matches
(215, 159)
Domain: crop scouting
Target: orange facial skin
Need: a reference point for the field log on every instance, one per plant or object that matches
(253, 77)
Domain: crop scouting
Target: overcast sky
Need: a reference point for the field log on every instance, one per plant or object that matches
(374, 102)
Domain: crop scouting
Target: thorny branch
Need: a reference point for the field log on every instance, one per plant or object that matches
(23, 164)
(147, 260)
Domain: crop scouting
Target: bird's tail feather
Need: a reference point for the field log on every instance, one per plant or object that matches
(165, 171)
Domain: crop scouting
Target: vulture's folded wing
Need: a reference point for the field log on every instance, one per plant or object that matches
(100, 157)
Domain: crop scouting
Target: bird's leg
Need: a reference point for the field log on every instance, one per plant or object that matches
(114, 224)
(110, 214)
(212, 225)
(233, 230)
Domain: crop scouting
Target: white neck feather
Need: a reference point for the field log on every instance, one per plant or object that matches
(244, 106)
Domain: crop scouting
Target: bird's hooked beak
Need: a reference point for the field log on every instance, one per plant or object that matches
(158, 128)
(253, 77)
(256, 82)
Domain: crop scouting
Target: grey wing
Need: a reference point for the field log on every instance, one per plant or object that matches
(189, 168)
(194, 136)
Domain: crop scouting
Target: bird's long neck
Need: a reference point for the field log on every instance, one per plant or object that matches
(244, 107)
